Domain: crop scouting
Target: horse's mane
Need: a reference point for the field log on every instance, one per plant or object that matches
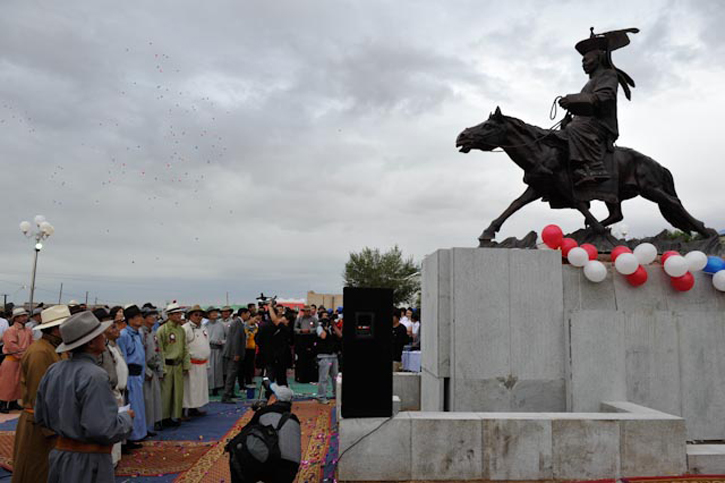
(521, 125)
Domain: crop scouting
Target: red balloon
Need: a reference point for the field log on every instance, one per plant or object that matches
(618, 250)
(566, 245)
(638, 278)
(552, 236)
(591, 250)
(667, 255)
(683, 283)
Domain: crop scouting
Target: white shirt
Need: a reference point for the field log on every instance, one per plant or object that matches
(3, 326)
(407, 323)
(416, 327)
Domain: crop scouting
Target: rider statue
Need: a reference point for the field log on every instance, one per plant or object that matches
(590, 127)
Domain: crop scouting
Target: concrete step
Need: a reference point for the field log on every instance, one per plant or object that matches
(706, 459)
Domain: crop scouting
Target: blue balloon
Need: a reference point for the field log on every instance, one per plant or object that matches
(714, 265)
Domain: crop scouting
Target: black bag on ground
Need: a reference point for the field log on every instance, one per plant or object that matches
(255, 450)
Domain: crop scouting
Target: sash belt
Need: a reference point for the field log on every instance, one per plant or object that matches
(172, 362)
(198, 361)
(135, 369)
(75, 446)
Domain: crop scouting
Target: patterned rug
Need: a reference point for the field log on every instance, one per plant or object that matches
(316, 421)
(678, 479)
(156, 458)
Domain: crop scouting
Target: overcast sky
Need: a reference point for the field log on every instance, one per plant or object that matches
(188, 149)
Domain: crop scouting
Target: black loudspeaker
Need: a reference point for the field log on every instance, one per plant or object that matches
(367, 345)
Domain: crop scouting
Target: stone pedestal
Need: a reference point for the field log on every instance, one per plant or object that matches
(494, 333)
(515, 330)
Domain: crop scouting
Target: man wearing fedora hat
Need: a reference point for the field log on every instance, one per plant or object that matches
(75, 401)
(154, 370)
(217, 336)
(196, 383)
(16, 340)
(172, 342)
(32, 442)
(130, 343)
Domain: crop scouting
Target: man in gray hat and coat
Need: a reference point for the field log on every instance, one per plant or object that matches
(75, 401)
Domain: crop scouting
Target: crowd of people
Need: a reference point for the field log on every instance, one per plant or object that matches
(158, 369)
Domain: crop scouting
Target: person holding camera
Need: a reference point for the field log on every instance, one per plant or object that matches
(328, 345)
(274, 343)
(269, 447)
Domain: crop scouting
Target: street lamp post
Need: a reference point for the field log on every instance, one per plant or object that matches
(44, 230)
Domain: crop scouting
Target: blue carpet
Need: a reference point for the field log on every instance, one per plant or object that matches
(9, 425)
(218, 420)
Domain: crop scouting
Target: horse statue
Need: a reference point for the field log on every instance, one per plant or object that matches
(547, 176)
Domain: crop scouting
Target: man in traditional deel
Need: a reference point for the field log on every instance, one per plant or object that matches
(130, 343)
(75, 401)
(196, 383)
(172, 342)
(217, 332)
(154, 370)
(34, 442)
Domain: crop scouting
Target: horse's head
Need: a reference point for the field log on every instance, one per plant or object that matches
(486, 136)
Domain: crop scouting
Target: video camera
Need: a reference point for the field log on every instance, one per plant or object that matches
(262, 401)
(264, 300)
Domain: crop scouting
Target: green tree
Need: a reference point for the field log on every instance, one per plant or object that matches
(372, 269)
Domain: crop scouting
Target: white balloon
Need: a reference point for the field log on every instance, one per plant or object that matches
(25, 226)
(718, 280)
(626, 263)
(595, 271)
(578, 257)
(696, 261)
(676, 266)
(646, 253)
(39, 219)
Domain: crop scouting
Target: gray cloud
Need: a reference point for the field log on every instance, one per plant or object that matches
(185, 151)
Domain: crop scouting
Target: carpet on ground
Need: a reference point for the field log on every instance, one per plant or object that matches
(677, 479)
(316, 420)
(195, 451)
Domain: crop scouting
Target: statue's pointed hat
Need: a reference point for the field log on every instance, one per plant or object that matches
(608, 42)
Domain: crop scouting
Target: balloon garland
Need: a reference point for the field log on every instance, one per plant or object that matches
(631, 263)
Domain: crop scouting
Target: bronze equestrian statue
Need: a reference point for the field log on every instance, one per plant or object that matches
(578, 163)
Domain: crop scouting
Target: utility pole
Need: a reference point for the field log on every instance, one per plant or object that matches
(95, 301)
(86, 298)
(227, 298)
(60, 295)
(5, 301)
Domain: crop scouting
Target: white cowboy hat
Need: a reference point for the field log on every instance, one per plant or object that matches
(173, 307)
(18, 312)
(79, 329)
(53, 316)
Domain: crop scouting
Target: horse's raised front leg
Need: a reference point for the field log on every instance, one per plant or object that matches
(527, 197)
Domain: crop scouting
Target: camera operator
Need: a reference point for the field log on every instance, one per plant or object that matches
(269, 447)
(328, 345)
(274, 343)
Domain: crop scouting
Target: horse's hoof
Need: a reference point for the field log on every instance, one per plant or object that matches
(487, 235)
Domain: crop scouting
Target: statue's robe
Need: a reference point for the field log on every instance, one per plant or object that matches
(594, 126)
